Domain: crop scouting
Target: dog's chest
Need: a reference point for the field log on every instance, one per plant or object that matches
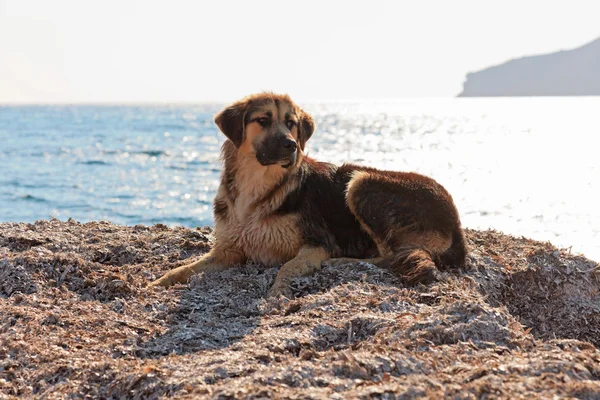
(251, 224)
(267, 239)
(272, 240)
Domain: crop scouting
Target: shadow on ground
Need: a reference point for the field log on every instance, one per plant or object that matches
(214, 311)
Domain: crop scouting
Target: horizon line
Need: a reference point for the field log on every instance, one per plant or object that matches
(209, 102)
(221, 102)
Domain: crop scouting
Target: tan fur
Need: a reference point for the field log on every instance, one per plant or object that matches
(307, 262)
(253, 182)
(270, 241)
(351, 188)
(219, 258)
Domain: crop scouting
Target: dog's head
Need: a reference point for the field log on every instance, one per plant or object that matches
(269, 126)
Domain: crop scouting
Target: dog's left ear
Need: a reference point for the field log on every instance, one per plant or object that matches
(231, 121)
(307, 127)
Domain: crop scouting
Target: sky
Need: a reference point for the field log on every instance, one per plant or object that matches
(122, 51)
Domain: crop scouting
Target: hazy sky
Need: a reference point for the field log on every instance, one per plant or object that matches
(131, 51)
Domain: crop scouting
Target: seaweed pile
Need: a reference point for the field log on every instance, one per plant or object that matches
(78, 320)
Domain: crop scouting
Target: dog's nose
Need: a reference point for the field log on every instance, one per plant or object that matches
(289, 144)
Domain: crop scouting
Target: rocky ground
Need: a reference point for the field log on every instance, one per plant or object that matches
(77, 320)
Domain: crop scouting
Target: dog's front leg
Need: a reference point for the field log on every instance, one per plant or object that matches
(307, 261)
(218, 259)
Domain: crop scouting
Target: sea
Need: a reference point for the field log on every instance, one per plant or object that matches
(524, 166)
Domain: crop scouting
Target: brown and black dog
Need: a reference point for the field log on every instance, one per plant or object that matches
(277, 206)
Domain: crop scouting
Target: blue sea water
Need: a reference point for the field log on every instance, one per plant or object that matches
(526, 166)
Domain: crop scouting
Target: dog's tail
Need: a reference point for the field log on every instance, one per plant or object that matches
(412, 264)
(417, 264)
(456, 255)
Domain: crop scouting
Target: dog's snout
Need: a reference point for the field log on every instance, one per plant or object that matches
(289, 144)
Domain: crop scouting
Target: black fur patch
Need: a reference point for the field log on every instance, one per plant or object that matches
(325, 220)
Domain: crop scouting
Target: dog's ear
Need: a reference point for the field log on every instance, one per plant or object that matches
(231, 121)
(307, 127)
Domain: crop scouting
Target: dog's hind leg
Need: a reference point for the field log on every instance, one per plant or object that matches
(412, 220)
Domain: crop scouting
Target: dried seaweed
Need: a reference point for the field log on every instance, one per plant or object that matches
(78, 321)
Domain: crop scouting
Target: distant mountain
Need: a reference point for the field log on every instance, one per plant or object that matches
(565, 73)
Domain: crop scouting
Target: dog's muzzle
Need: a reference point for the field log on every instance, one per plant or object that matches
(291, 162)
(278, 150)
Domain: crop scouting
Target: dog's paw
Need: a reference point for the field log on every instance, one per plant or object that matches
(177, 275)
(338, 262)
(423, 275)
(280, 289)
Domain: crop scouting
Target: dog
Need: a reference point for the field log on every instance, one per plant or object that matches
(275, 206)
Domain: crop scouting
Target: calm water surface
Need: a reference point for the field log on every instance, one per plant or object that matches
(526, 166)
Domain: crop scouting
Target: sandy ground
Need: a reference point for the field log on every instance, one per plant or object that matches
(77, 320)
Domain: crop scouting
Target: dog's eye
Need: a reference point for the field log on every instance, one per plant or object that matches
(290, 124)
(262, 121)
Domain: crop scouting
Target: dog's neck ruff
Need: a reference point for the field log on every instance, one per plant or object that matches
(253, 189)
(254, 180)
(254, 183)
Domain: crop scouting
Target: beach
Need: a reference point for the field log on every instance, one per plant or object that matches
(77, 318)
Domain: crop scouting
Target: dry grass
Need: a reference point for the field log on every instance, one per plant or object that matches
(77, 321)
